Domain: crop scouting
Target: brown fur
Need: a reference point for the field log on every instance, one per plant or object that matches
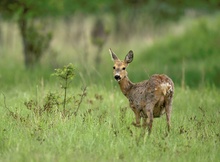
(148, 99)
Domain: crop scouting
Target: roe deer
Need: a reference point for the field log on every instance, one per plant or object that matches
(148, 99)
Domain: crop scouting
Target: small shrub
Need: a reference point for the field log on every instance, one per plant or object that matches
(66, 75)
(52, 103)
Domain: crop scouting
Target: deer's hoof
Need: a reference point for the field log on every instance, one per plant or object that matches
(144, 125)
(136, 124)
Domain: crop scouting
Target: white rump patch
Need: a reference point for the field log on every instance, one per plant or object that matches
(166, 88)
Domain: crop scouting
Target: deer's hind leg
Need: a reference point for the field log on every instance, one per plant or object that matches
(148, 110)
(168, 109)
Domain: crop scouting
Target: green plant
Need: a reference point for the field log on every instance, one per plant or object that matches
(45, 106)
(66, 75)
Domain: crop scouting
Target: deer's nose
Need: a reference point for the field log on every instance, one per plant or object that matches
(117, 77)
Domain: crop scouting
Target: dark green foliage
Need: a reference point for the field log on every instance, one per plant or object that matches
(35, 40)
(14, 9)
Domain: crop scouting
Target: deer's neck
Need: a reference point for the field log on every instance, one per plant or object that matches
(125, 85)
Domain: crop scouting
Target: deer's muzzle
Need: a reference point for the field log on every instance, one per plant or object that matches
(117, 77)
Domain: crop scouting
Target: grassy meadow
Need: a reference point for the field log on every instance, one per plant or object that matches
(96, 125)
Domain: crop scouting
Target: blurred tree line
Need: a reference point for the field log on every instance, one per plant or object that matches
(31, 17)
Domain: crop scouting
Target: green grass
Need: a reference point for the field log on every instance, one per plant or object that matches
(102, 130)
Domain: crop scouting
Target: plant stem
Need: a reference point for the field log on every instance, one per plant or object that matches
(81, 99)
(64, 100)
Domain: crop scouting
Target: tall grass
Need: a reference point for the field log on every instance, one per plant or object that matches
(103, 132)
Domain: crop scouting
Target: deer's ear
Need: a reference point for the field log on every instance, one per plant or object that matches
(129, 57)
(113, 55)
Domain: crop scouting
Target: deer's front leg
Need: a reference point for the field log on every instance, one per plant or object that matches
(137, 117)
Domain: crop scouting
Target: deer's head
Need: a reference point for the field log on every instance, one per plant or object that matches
(119, 68)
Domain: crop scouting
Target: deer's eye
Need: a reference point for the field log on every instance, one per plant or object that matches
(123, 68)
(113, 67)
